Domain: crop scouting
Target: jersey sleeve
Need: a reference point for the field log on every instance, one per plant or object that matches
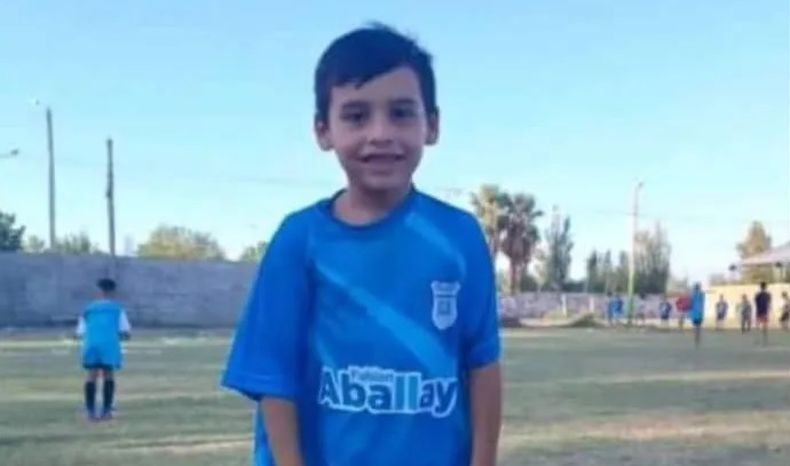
(268, 348)
(123, 323)
(80, 330)
(480, 326)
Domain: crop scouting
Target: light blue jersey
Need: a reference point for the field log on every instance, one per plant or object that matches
(371, 331)
(697, 311)
(100, 326)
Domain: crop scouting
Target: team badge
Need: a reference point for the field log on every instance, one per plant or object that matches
(445, 298)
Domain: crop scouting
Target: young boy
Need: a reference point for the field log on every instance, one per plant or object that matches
(746, 314)
(762, 307)
(614, 309)
(101, 326)
(721, 312)
(696, 312)
(370, 336)
(665, 310)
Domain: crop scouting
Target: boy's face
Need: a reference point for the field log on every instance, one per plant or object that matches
(378, 130)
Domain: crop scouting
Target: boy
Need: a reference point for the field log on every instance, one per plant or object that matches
(762, 306)
(101, 326)
(696, 312)
(371, 328)
(721, 312)
(614, 309)
(682, 304)
(665, 310)
(746, 314)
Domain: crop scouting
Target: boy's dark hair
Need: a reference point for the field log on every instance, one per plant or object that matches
(365, 53)
(107, 285)
(763, 285)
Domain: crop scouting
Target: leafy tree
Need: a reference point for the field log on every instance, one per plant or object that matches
(489, 205)
(79, 243)
(180, 243)
(253, 253)
(521, 235)
(10, 235)
(652, 261)
(34, 244)
(756, 241)
(556, 256)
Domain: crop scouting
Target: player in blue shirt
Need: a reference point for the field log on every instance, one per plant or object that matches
(370, 335)
(102, 325)
(697, 312)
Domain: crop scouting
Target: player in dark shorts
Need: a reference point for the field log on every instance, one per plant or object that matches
(762, 305)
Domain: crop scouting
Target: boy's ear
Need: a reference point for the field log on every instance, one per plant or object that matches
(432, 135)
(321, 129)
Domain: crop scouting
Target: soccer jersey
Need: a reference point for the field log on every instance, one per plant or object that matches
(697, 309)
(371, 331)
(100, 325)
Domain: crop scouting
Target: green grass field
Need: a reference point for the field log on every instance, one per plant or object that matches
(573, 397)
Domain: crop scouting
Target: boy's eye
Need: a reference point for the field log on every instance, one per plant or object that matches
(403, 113)
(353, 116)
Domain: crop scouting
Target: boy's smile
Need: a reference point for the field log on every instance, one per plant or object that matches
(378, 131)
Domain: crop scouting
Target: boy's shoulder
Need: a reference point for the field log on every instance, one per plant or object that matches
(436, 211)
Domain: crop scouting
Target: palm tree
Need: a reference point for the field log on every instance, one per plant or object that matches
(489, 205)
(521, 235)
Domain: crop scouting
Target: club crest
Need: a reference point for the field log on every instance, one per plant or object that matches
(445, 298)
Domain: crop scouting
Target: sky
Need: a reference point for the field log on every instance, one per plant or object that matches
(209, 104)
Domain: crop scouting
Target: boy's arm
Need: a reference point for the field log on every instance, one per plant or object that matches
(486, 406)
(280, 422)
(268, 349)
(482, 349)
(124, 327)
(80, 330)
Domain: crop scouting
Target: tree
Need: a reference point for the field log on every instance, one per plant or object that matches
(253, 253)
(35, 245)
(521, 235)
(10, 236)
(79, 243)
(652, 261)
(556, 256)
(176, 242)
(756, 241)
(490, 208)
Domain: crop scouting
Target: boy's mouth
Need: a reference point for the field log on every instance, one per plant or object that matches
(382, 158)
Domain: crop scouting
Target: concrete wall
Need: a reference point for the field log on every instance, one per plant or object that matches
(51, 289)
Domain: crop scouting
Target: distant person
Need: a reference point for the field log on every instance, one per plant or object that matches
(664, 310)
(102, 326)
(614, 308)
(745, 309)
(697, 312)
(721, 312)
(762, 306)
(785, 315)
(682, 304)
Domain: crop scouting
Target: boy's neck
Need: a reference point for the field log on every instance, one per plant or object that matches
(359, 206)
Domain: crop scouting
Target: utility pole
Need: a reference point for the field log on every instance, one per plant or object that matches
(632, 256)
(51, 151)
(111, 203)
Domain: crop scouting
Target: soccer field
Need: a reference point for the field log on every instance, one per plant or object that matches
(573, 397)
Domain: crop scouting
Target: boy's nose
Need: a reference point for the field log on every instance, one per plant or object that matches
(382, 132)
